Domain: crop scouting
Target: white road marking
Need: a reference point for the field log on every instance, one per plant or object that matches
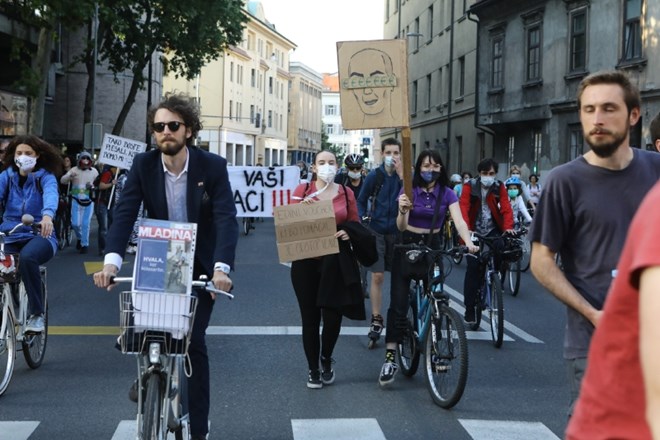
(506, 430)
(336, 429)
(17, 430)
(127, 429)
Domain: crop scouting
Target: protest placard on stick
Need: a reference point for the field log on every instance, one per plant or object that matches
(119, 152)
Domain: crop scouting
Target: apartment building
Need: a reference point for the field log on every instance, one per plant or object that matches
(442, 69)
(305, 102)
(347, 141)
(533, 55)
(244, 95)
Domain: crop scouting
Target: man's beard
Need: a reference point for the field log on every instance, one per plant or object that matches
(171, 147)
(607, 149)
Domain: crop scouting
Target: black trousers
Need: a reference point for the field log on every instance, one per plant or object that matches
(198, 382)
(305, 277)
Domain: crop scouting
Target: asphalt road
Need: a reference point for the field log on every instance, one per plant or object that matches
(259, 370)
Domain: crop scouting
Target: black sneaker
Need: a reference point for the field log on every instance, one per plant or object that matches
(78, 245)
(314, 379)
(470, 316)
(133, 392)
(387, 373)
(83, 249)
(327, 374)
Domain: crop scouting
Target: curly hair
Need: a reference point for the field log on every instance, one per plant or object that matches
(184, 106)
(49, 158)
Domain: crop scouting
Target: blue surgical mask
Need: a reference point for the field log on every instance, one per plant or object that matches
(513, 193)
(429, 176)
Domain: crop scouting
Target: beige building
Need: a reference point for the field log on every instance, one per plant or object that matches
(243, 96)
(442, 67)
(304, 132)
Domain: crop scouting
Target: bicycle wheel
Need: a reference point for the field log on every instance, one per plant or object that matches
(496, 311)
(7, 347)
(34, 345)
(60, 232)
(527, 253)
(446, 357)
(408, 351)
(246, 225)
(514, 277)
(152, 405)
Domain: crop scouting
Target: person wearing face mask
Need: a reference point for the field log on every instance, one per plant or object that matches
(352, 178)
(82, 178)
(314, 278)
(415, 220)
(378, 208)
(514, 189)
(514, 171)
(28, 186)
(486, 209)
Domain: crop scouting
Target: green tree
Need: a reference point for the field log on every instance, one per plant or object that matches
(189, 34)
(334, 149)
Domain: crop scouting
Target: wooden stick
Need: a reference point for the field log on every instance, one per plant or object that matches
(406, 154)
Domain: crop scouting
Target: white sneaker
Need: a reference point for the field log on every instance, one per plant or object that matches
(35, 324)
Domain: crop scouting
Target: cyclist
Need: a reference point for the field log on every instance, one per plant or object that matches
(81, 178)
(514, 189)
(28, 186)
(193, 187)
(352, 178)
(431, 199)
(486, 209)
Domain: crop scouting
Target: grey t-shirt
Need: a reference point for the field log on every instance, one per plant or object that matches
(584, 215)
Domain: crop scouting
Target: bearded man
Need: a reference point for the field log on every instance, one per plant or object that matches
(586, 208)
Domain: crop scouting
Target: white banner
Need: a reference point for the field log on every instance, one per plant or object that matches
(119, 152)
(258, 189)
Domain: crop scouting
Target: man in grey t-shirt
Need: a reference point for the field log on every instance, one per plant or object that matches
(586, 209)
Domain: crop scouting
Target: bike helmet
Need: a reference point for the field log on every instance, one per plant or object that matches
(354, 160)
(513, 180)
(455, 178)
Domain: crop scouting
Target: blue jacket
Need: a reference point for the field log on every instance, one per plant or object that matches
(27, 200)
(383, 218)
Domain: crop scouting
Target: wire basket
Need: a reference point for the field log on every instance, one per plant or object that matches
(147, 317)
(512, 251)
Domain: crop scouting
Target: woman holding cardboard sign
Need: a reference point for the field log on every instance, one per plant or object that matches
(320, 281)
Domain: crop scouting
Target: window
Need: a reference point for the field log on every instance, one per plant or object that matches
(270, 118)
(578, 41)
(253, 78)
(330, 110)
(252, 114)
(537, 139)
(429, 90)
(441, 80)
(270, 85)
(576, 141)
(632, 35)
(231, 109)
(533, 53)
(413, 97)
(416, 30)
(231, 71)
(330, 129)
(461, 76)
(511, 156)
(429, 26)
(497, 63)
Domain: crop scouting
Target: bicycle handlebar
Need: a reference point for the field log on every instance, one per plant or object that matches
(205, 284)
(414, 246)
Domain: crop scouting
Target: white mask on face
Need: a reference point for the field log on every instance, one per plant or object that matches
(388, 161)
(487, 181)
(25, 163)
(354, 174)
(326, 172)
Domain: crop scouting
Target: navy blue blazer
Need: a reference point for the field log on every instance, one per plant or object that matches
(210, 203)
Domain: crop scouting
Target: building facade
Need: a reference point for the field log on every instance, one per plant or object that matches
(533, 55)
(243, 95)
(305, 102)
(442, 69)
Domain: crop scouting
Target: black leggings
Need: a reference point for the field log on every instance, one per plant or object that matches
(305, 277)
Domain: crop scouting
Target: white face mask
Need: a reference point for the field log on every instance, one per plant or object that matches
(354, 174)
(487, 181)
(25, 163)
(388, 161)
(326, 172)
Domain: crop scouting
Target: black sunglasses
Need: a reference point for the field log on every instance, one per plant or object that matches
(159, 127)
(355, 168)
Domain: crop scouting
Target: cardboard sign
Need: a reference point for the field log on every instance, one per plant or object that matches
(305, 230)
(119, 152)
(373, 83)
(258, 189)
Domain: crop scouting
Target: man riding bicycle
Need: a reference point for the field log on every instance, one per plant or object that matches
(486, 209)
(180, 182)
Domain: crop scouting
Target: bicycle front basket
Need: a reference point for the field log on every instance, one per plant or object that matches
(415, 264)
(512, 251)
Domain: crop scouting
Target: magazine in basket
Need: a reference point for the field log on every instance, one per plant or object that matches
(162, 275)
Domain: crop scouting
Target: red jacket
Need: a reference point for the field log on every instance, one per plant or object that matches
(499, 205)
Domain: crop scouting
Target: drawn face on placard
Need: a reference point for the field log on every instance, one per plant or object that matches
(373, 69)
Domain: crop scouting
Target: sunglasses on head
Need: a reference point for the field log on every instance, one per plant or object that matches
(159, 127)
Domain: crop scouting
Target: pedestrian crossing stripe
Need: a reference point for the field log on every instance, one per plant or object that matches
(335, 429)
